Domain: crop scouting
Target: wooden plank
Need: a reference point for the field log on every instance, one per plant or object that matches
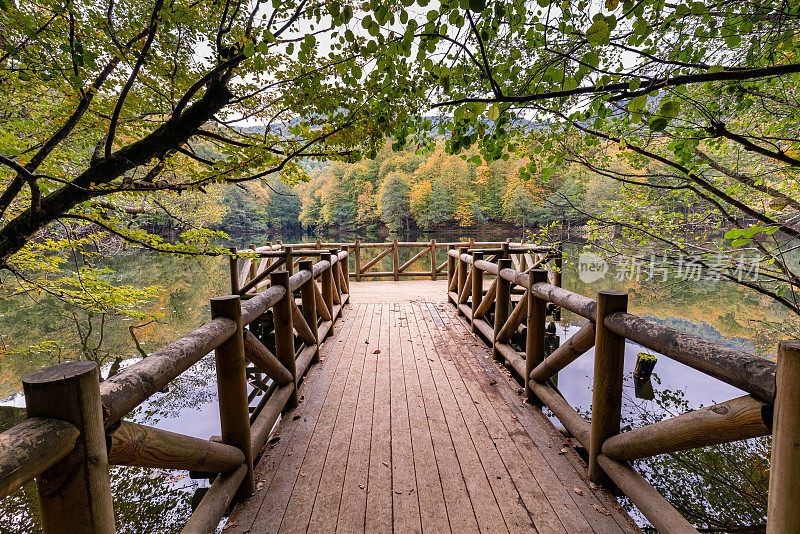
(432, 508)
(405, 503)
(517, 449)
(484, 504)
(517, 517)
(548, 442)
(326, 504)
(457, 501)
(353, 503)
(280, 466)
(301, 502)
(379, 483)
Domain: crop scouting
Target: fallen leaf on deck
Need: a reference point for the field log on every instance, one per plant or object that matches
(302, 474)
(601, 509)
(259, 486)
(493, 382)
(592, 485)
(563, 450)
(578, 491)
(386, 464)
(376, 352)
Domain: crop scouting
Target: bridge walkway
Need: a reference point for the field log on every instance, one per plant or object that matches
(408, 425)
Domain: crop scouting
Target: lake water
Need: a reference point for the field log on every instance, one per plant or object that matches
(159, 501)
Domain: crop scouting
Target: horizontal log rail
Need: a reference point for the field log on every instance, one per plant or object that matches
(609, 326)
(520, 252)
(75, 428)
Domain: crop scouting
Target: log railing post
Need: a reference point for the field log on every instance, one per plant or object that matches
(253, 265)
(609, 357)
(506, 254)
(477, 286)
(309, 302)
(502, 304)
(433, 260)
(234, 268)
(462, 276)
(234, 415)
(395, 260)
(358, 260)
(559, 263)
(284, 336)
(534, 341)
(337, 280)
(327, 286)
(289, 260)
(451, 267)
(345, 268)
(784, 472)
(74, 494)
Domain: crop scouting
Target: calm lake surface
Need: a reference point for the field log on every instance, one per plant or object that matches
(148, 500)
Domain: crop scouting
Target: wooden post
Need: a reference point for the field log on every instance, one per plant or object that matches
(471, 243)
(284, 336)
(534, 341)
(74, 494)
(557, 277)
(451, 267)
(609, 357)
(337, 280)
(309, 302)
(318, 244)
(289, 260)
(327, 287)
(477, 287)
(505, 248)
(234, 416)
(502, 304)
(253, 265)
(784, 473)
(234, 267)
(395, 260)
(345, 268)
(433, 259)
(358, 260)
(462, 276)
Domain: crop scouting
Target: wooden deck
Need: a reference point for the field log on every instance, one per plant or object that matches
(407, 425)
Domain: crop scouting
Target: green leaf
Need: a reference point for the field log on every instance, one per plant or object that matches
(477, 5)
(611, 5)
(494, 113)
(657, 124)
(670, 108)
(598, 32)
(356, 72)
(249, 49)
(778, 203)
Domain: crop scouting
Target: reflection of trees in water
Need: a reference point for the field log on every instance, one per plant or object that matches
(145, 500)
(195, 387)
(722, 488)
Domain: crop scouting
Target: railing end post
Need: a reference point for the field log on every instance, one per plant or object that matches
(784, 472)
(609, 358)
(74, 494)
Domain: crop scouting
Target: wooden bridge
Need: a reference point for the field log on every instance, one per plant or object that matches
(399, 406)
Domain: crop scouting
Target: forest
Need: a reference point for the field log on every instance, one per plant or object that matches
(408, 192)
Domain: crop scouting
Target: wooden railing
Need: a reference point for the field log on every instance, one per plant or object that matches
(367, 258)
(75, 430)
(772, 405)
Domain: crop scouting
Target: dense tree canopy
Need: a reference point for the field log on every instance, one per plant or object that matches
(698, 98)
